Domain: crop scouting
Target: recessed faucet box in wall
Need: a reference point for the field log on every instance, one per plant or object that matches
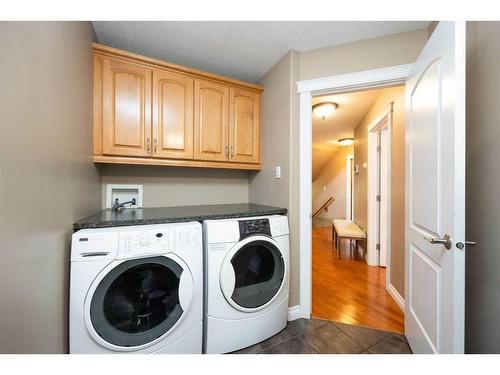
(124, 193)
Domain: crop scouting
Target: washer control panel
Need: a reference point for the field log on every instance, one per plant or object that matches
(141, 242)
(252, 227)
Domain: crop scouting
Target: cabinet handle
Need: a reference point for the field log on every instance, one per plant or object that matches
(148, 145)
(155, 146)
(227, 152)
(232, 152)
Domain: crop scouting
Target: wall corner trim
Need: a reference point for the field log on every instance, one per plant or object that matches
(393, 293)
(294, 313)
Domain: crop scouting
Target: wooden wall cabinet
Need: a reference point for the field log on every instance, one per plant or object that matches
(147, 111)
(172, 115)
(126, 92)
(211, 103)
(244, 126)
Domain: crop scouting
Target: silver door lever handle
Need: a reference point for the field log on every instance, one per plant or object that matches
(446, 241)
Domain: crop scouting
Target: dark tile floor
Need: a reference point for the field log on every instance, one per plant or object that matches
(317, 336)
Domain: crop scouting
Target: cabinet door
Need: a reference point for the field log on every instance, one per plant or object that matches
(211, 102)
(172, 115)
(126, 93)
(244, 126)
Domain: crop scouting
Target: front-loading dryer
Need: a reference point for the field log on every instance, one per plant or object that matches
(246, 281)
(137, 289)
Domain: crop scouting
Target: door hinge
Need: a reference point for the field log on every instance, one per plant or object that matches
(377, 246)
(378, 198)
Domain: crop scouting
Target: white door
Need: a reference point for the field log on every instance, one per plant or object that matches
(435, 194)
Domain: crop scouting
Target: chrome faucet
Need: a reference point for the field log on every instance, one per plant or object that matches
(117, 206)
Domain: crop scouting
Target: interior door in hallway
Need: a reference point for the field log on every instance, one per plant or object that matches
(384, 193)
(435, 194)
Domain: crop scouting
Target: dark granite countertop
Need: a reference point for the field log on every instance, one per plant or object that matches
(160, 215)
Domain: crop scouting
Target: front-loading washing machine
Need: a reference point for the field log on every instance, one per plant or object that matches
(246, 281)
(137, 289)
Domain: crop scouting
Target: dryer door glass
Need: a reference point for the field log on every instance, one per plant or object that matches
(137, 301)
(259, 270)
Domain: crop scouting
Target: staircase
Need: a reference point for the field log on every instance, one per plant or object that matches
(324, 207)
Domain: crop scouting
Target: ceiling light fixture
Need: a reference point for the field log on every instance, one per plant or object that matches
(324, 110)
(346, 141)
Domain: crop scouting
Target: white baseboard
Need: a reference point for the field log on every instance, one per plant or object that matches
(395, 296)
(294, 313)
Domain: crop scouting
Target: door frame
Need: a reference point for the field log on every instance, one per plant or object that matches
(342, 83)
(383, 120)
(349, 206)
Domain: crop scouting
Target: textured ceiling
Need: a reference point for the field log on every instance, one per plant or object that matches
(242, 50)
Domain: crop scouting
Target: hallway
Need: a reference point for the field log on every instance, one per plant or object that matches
(348, 290)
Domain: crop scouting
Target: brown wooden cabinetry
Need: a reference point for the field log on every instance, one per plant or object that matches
(172, 115)
(147, 111)
(211, 103)
(126, 92)
(244, 129)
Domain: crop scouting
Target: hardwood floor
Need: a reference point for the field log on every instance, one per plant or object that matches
(348, 290)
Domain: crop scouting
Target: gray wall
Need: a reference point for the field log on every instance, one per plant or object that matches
(276, 119)
(482, 318)
(167, 186)
(278, 115)
(47, 178)
(394, 49)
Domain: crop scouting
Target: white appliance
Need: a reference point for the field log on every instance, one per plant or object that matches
(246, 281)
(137, 289)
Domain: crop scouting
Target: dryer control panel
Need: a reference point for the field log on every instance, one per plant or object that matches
(253, 227)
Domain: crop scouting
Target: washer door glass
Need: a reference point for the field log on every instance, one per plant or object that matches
(259, 270)
(137, 301)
